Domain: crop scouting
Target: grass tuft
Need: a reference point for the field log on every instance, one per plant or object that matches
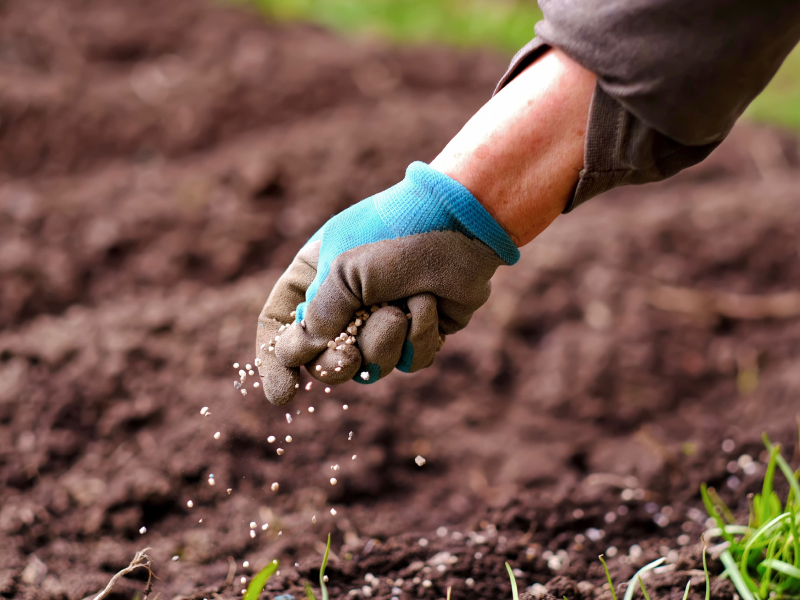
(762, 559)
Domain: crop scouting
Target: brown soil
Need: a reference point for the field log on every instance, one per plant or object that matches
(163, 161)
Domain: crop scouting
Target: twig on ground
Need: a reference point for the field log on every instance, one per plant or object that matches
(785, 305)
(140, 560)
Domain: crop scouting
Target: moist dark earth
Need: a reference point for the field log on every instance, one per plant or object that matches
(162, 161)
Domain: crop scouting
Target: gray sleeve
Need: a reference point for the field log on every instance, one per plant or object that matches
(673, 76)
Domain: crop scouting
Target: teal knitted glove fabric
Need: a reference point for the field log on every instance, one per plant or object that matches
(418, 257)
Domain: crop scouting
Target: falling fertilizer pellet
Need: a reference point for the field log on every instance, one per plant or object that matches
(354, 457)
(229, 490)
(252, 533)
(327, 390)
(258, 362)
(364, 375)
(143, 530)
(235, 365)
(204, 410)
(265, 526)
(333, 481)
(288, 418)
(275, 486)
(248, 367)
(420, 461)
(271, 439)
(279, 451)
(288, 439)
(256, 384)
(244, 392)
(345, 407)
(349, 436)
(246, 564)
(243, 579)
(308, 386)
(253, 525)
(333, 512)
(314, 519)
(190, 504)
(311, 409)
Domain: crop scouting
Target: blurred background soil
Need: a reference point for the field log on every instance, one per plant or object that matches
(160, 164)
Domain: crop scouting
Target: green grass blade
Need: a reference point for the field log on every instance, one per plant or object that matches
(514, 592)
(608, 576)
(766, 491)
(766, 579)
(638, 577)
(795, 534)
(322, 585)
(719, 502)
(309, 592)
(708, 577)
(714, 513)
(736, 577)
(785, 468)
(260, 580)
(783, 567)
(644, 589)
(688, 587)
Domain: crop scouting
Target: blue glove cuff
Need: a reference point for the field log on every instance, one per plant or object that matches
(428, 200)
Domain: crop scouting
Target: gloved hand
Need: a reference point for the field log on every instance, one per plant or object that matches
(424, 250)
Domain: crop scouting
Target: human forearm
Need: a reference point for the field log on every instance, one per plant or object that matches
(521, 154)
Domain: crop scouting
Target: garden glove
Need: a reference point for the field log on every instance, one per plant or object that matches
(380, 285)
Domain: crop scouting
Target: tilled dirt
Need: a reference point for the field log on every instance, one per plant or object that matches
(162, 163)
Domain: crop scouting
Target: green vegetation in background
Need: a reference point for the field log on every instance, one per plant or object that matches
(505, 25)
(780, 102)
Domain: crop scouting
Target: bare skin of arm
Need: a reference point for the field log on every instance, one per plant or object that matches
(520, 155)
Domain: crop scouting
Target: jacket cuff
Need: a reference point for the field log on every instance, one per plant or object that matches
(620, 148)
